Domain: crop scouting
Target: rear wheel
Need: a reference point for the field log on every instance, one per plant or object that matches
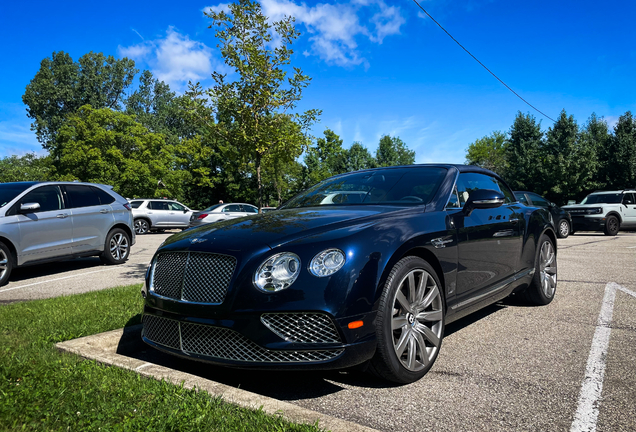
(543, 286)
(410, 322)
(6, 263)
(117, 247)
(564, 228)
(612, 225)
(141, 226)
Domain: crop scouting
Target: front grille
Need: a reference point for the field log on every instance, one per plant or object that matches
(193, 276)
(302, 327)
(221, 343)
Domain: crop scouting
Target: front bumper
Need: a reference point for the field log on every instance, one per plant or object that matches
(299, 341)
(588, 223)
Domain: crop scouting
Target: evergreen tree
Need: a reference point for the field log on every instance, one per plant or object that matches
(523, 153)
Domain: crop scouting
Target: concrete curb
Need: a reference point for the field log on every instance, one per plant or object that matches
(104, 348)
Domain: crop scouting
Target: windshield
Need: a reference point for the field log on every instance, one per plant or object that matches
(8, 191)
(398, 186)
(606, 198)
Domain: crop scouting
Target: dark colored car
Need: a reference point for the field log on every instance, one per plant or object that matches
(562, 218)
(324, 285)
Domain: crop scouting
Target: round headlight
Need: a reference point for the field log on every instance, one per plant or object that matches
(327, 262)
(277, 272)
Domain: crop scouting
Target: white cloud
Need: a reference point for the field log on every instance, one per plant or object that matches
(175, 59)
(335, 28)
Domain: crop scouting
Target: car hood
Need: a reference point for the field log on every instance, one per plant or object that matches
(280, 227)
(584, 206)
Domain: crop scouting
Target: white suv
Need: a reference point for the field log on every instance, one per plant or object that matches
(158, 214)
(607, 211)
(50, 221)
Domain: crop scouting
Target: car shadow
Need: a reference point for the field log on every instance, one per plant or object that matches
(281, 385)
(54, 268)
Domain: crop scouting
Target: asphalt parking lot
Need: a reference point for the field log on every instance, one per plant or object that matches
(565, 366)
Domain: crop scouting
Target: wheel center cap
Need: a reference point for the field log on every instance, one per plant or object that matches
(410, 318)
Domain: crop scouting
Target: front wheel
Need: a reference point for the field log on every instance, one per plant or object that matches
(410, 322)
(564, 228)
(543, 286)
(6, 263)
(117, 247)
(612, 225)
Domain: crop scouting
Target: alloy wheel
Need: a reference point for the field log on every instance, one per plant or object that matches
(417, 320)
(141, 226)
(119, 246)
(547, 269)
(564, 228)
(4, 264)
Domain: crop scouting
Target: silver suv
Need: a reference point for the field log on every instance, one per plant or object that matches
(158, 214)
(607, 211)
(50, 221)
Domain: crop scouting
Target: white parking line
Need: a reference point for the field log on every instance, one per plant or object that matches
(53, 280)
(587, 411)
(626, 291)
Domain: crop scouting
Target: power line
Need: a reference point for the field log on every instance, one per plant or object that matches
(482, 65)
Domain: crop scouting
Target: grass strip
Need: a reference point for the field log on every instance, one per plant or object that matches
(44, 389)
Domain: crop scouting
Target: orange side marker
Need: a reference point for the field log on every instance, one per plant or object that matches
(355, 324)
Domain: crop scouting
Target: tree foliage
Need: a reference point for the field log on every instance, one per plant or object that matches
(523, 153)
(110, 147)
(489, 152)
(61, 86)
(255, 110)
(392, 151)
(29, 167)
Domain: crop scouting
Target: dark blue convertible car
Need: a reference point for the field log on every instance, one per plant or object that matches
(364, 268)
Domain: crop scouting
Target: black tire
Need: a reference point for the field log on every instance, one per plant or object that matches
(410, 322)
(141, 226)
(7, 262)
(612, 225)
(543, 286)
(563, 230)
(117, 247)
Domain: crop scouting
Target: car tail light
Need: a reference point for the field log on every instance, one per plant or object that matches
(202, 216)
(128, 207)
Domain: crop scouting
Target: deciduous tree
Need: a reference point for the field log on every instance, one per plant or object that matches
(489, 152)
(392, 151)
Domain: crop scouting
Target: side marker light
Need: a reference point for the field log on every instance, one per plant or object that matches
(355, 324)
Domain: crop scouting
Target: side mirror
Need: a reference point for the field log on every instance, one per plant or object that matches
(483, 199)
(29, 207)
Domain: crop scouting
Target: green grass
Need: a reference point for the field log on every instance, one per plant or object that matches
(44, 389)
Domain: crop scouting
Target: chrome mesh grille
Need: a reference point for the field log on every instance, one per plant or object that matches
(222, 343)
(302, 327)
(162, 331)
(193, 276)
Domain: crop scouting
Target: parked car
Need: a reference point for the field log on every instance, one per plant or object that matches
(159, 214)
(51, 221)
(606, 211)
(221, 212)
(329, 286)
(562, 219)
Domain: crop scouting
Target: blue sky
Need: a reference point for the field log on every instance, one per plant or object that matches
(378, 66)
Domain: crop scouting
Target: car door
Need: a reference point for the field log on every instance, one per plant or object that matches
(249, 210)
(179, 214)
(489, 240)
(159, 213)
(91, 218)
(46, 232)
(629, 209)
(232, 211)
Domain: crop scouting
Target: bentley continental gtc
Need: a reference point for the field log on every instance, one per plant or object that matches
(369, 279)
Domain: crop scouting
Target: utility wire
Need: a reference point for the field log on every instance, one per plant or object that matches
(482, 65)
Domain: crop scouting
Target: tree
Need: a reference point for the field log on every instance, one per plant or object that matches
(358, 158)
(568, 165)
(62, 86)
(254, 110)
(489, 152)
(595, 137)
(106, 146)
(29, 167)
(327, 158)
(619, 157)
(393, 151)
(523, 153)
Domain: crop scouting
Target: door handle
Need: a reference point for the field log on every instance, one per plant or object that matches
(103, 211)
(514, 221)
(62, 216)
